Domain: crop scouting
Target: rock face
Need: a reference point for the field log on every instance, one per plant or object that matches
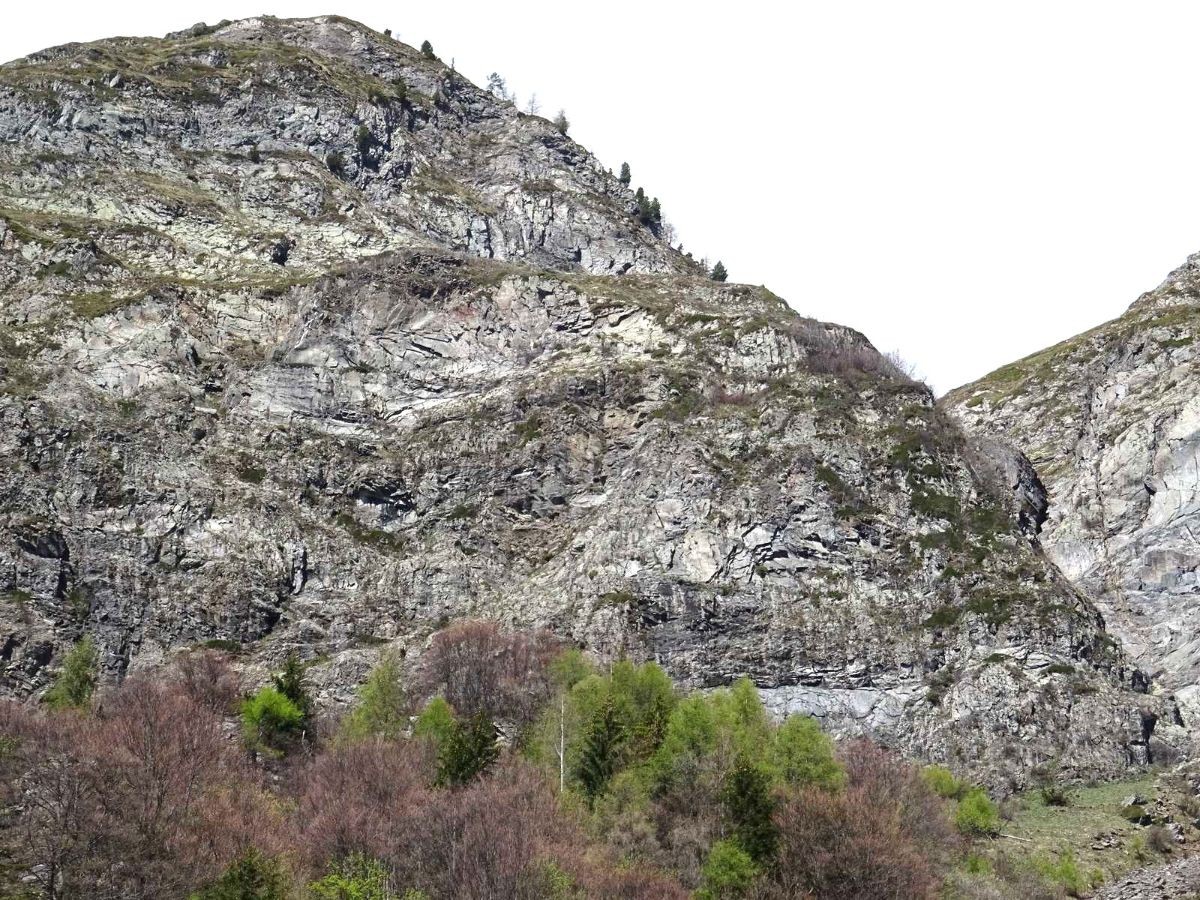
(308, 343)
(1111, 421)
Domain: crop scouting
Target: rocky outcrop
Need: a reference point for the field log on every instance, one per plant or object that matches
(1111, 421)
(254, 398)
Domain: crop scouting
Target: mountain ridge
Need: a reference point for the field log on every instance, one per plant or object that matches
(314, 347)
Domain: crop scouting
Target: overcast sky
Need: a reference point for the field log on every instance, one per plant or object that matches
(964, 182)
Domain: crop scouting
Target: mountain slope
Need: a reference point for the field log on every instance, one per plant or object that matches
(254, 396)
(1111, 420)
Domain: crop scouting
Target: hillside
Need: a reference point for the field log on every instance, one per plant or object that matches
(1109, 419)
(306, 343)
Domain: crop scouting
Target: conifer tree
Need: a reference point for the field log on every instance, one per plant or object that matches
(77, 680)
(626, 175)
(427, 50)
(290, 683)
(467, 751)
(598, 756)
(750, 807)
(718, 272)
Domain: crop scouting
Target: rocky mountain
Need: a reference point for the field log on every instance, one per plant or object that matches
(308, 343)
(1111, 421)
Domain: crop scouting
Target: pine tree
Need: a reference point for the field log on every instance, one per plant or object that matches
(561, 122)
(467, 751)
(290, 683)
(749, 805)
(601, 745)
(77, 680)
(427, 50)
(718, 272)
(626, 175)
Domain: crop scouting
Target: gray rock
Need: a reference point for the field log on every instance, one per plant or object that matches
(479, 387)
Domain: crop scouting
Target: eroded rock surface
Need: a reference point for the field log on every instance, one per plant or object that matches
(258, 396)
(1111, 421)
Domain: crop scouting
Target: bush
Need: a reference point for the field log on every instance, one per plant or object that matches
(77, 681)
(356, 878)
(427, 50)
(728, 872)
(336, 163)
(251, 877)
(942, 782)
(1159, 839)
(977, 814)
(269, 719)
(1055, 795)
(1064, 871)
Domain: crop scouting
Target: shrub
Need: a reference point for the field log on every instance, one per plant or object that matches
(336, 163)
(357, 877)
(208, 680)
(253, 876)
(977, 814)
(381, 710)
(728, 872)
(942, 782)
(1159, 839)
(427, 50)
(77, 681)
(1064, 871)
(1055, 795)
(269, 719)
(362, 140)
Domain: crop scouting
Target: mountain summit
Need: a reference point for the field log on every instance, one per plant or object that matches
(307, 343)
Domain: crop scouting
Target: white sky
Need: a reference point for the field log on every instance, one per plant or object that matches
(965, 182)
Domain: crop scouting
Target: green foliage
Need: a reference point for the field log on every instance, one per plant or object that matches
(719, 273)
(336, 163)
(749, 807)
(382, 704)
(649, 211)
(1063, 870)
(468, 750)
(802, 754)
(269, 719)
(436, 722)
(569, 668)
(977, 814)
(427, 50)
(252, 876)
(75, 683)
(357, 877)
(728, 872)
(942, 782)
(626, 175)
(598, 758)
(731, 719)
(290, 683)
